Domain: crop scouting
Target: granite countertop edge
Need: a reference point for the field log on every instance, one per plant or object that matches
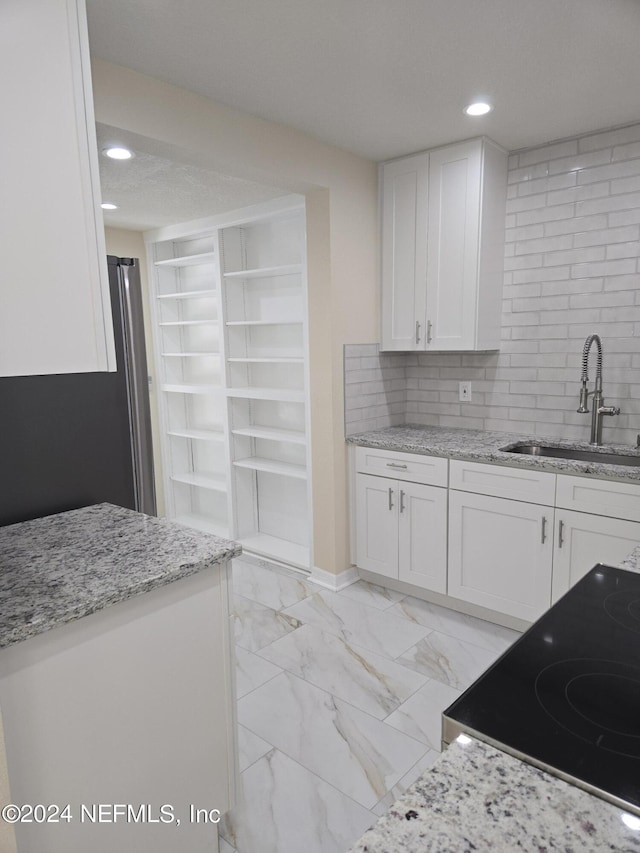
(485, 446)
(476, 797)
(63, 567)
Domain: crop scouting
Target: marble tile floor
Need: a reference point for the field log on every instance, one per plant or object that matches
(339, 703)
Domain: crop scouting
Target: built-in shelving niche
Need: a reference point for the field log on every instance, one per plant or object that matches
(231, 331)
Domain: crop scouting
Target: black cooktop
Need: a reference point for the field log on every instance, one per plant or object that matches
(566, 695)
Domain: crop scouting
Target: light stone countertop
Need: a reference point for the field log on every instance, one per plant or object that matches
(477, 798)
(484, 446)
(63, 567)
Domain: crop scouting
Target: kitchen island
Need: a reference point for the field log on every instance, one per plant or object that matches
(116, 681)
(478, 798)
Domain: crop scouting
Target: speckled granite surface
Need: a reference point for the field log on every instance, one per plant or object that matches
(476, 798)
(483, 446)
(632, 561)
(62, 567)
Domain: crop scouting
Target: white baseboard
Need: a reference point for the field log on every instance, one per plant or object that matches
(334, 582)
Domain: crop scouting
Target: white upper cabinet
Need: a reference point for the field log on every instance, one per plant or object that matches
(443, 216)
(55, 314)
(404, 187)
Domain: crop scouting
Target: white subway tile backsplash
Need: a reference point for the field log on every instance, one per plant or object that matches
(581, 193)
(609, 138)
(605, 236)
(527, 174)
(606, 268)
(623, 250)
(577, 162)
(528, 202)
(540, 275)
(548, 152)
(572, 268)
(627, 201)
(529, 232)
(575, 256)
(545, 214)
(624, 217)
(575, 225)
(543, 244)
(585, 285)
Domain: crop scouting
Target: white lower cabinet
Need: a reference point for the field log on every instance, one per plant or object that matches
(377, 524)
(582, 540)
(517, 539)
(401, 530)
(500, 553)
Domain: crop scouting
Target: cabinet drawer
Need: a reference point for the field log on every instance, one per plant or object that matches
(413, 467)
(519, 484)
(601, 497)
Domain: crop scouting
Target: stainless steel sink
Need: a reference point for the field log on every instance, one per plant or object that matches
(601, 456)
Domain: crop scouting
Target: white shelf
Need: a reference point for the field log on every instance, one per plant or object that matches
(278, 549)
(272, 434)
(191, 389)
(214, 482)
(276, 360)
(206, 525)
(188, 322)
(191, 355)
(188, 260)
(282, 395)
(200, 434)
(272, 466)
(266, 272)
(264, 285)
(264, 322)
(189, 294)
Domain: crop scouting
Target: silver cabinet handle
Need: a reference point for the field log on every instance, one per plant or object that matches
(417, 331)
(428, 331)
(390, 497)
(543, 533)
(395, 465)
(560, 531)
(401, 501)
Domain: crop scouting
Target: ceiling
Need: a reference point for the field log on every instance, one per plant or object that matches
(154, 189)
(384, 78)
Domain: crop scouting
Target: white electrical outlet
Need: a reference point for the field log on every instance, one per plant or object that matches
(464, 392)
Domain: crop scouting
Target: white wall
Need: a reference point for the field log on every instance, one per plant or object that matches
(572, 267)
(130, 244)
(341, 191)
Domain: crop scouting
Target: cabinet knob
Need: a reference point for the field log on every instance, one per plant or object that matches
(390, 497)
(543, 532)
(560, 532)
(428, 331)
(401, 500)
(417, 331)
(395, 465)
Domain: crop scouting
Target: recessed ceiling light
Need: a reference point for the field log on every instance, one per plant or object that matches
(108, 206)
(118, 153)
(480, 108)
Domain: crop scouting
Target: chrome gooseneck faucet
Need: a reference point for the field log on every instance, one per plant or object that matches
(599, 409)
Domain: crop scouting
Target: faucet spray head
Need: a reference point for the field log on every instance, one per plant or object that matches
(583, 408)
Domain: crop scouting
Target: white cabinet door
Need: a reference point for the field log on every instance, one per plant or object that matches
(422, 536)
(55, 314)
(404, 188)
(500, 554)
(454, 233)
(377, 524)
(582, 540)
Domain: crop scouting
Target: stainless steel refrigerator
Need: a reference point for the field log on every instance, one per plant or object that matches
(71, 440)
